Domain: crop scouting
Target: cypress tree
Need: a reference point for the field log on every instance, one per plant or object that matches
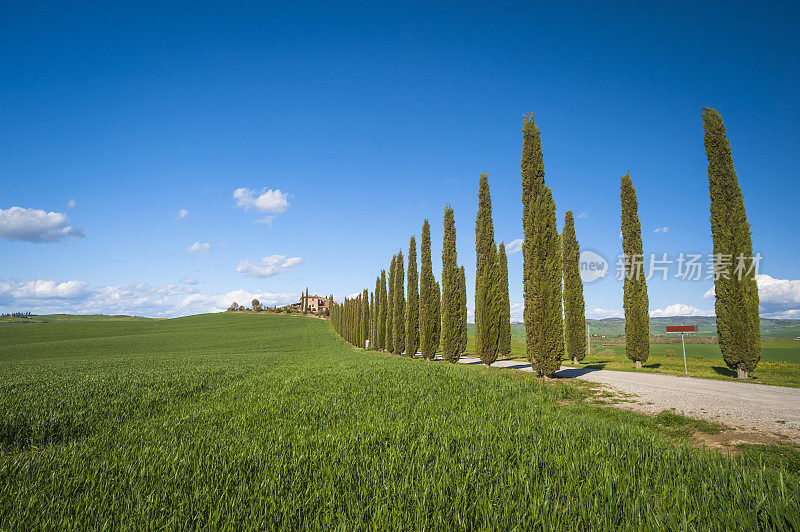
(462, 311)
(541, 250)
(437, 318)
(504, 341)
(736, 291)
(382, 310)
(365, 318)
(574, 310)
(428, 297)
(412, 303)
(373, 342)
(635, 302)
(487, 304)
(451, 299)
(398, 312)
(390, 308)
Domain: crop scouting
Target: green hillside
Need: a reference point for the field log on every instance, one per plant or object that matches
(248, 421)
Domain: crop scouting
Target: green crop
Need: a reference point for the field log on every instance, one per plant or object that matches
(254, 421)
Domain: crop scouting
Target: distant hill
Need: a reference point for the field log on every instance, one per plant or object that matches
(49, 318)
(706, 326)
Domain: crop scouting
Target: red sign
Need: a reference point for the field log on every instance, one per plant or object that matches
(681, 328)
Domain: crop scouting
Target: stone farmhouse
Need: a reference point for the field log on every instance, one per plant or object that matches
(313, 303)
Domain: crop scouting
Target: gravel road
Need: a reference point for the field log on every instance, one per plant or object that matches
(742, 405)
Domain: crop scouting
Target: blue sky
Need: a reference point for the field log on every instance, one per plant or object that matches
(344, 126)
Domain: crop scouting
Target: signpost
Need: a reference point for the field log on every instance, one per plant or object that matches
(682, 329)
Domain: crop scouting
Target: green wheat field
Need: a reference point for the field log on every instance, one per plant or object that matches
(248, 421)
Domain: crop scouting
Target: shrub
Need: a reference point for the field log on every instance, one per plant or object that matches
(669, 353)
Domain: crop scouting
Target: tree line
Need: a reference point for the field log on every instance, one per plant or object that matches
(410, 311)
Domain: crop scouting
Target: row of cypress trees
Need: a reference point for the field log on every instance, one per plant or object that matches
(553, 292)
(428, 321)
(421, 316)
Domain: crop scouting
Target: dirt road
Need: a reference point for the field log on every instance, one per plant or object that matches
(742, 405)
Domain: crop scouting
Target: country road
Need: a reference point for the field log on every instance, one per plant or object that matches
(745, 406)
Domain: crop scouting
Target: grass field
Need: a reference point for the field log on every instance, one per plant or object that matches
(262, 422)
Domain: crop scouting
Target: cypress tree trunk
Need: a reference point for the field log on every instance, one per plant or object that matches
(736, 291)
(504, 340)
(541, 249)
(390, 308)
(462, 311)
(428, 297)
(382, 309)
(574, 310)
(487, 306)
(412, 305)
(451, 299)
(398, 312)
(635, 303)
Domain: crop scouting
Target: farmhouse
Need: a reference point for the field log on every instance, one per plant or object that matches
(313, 303)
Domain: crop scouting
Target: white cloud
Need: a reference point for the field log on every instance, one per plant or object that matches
(268, 266)
(679, 309)
(72, 203)
(35, 225)
(270, 201)
(777, 298)
(581, 216)
(793, 314)
(516, 311)
(190, 280)
(661, 230)
(140, 299)
(42, 289)
(600, 313)
(199, 248)
(515, 246)
(183, 213)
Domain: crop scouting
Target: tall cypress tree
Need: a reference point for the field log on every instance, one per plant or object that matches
(487, 304)
(437, 318)
(451, 299)
(382, 308)
(504, 340)
(398, 312)
(462, 311)
(364, 318)
(372, 319)
(428, 297)
(635, 302)
(390, 308)
(574, 309)
(736, 291)
(412, 303)
(541, 250)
